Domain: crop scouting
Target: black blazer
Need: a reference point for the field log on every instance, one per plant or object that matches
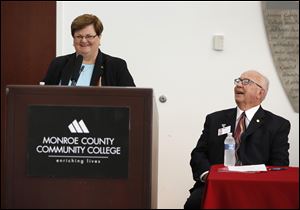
(114, 70)
(265, 141)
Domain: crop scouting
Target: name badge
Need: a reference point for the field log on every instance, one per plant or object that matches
(225, 130)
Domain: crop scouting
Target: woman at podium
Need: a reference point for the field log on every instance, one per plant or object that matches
(88, 66)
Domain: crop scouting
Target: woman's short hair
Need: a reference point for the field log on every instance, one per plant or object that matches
(82, 21)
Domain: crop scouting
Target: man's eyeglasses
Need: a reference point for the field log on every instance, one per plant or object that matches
(245, 82)
(87, 37)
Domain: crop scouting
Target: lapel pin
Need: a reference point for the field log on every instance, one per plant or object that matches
(257, 120)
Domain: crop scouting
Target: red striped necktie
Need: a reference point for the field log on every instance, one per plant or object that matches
(240, 128)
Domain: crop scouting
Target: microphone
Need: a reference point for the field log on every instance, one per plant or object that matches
(77, 70)
(101, 72)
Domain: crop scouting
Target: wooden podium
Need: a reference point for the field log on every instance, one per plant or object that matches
(38, 189)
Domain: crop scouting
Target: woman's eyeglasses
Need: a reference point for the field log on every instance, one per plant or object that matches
(87, 37)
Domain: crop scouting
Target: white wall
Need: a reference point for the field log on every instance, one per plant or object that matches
(168, 47)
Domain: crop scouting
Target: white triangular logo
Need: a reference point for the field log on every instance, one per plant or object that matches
(78, 127)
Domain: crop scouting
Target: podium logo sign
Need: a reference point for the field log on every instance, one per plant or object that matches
(76, 127)
(71, 141)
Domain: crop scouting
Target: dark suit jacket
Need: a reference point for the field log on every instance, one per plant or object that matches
(265, 141)
(114, 71)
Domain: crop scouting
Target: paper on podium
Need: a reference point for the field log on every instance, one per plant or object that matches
(248, 168)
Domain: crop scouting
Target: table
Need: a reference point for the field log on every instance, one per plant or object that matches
(266, 190)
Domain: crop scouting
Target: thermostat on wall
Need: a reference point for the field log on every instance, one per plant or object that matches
(218, 42)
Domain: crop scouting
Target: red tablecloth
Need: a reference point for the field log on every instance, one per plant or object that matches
(271, 189)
